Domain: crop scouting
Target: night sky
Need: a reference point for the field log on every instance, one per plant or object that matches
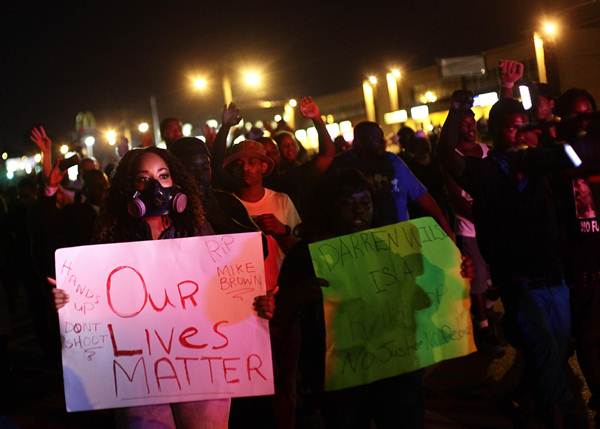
(109, 58)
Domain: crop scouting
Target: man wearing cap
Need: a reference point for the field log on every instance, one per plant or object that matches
(274, 212)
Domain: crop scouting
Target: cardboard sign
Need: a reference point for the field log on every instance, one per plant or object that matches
(396, 302)
(163, 321)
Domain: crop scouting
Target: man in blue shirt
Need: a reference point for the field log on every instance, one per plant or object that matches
(393, 182)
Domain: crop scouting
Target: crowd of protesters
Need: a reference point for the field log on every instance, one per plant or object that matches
(523, 208)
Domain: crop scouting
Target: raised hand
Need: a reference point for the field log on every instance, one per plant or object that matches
(41, 140)
(231, 115)
(510, 72)
(309, 108)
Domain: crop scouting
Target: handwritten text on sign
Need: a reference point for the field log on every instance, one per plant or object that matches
(163, 321)
(396, 302)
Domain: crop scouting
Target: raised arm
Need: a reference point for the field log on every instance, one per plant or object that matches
(43, 142)
(451, 161)
(231, 116)
(510, 73)
(324, 158)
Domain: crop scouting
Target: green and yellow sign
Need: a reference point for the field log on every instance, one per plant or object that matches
(396, 302)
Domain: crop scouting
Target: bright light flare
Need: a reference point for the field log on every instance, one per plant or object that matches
(373, 79)
(200, 83)
(90, 140)
(64, 149)
(252, 78)
(143, 127)
(396, 73)
(37, 158)
(293, 102)
(550, 28)
(111, 137)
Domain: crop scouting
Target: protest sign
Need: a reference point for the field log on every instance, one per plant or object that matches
(163, 321)
(396, 302)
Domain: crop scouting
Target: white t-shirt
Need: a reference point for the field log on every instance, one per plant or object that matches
(464, 227)
(282, 207)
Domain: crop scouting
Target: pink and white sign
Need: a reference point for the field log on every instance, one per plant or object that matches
(163, 321)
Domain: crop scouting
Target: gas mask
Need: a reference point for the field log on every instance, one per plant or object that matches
(156, 200)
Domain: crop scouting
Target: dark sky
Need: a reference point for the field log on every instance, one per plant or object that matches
(109, 58)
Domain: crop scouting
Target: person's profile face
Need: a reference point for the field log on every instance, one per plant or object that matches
(468, 129)
(172, 131)
(249, 171)
(580, 106)
(151, 166)
(511, 128)
(544, 108)
(288, 148)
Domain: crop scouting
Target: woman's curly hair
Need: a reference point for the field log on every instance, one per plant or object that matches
(117, 225)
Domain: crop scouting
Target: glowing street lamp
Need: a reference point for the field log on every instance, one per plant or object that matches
(252, 78)
(369, 97)
(392, 84)
(550, 29)
(89, 144)
(200, 83)
(111, 137)
(143, 127)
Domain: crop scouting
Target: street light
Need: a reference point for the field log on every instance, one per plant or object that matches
(392, 83)
(369, 97)
(550, 29)
(89, 144)
(143, 127)
(111, 137)
(252, 78)
(200, 83)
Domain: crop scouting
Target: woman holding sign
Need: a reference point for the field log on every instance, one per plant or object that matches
(153, 198)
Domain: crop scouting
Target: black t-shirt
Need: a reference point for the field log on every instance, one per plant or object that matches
(516, 221)
(578, 200)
